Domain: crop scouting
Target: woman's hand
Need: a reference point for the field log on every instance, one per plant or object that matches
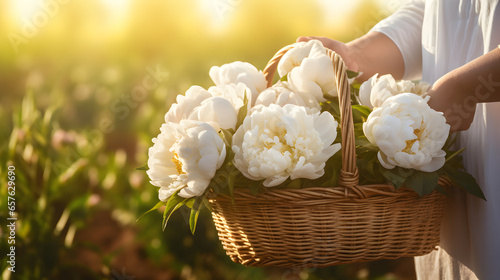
(340, 48)
(457, 93)
(370, 54)
(447, 97)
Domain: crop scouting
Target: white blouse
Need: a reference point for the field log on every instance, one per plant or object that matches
(435, 37)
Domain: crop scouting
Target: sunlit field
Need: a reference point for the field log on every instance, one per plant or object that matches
(85, 86)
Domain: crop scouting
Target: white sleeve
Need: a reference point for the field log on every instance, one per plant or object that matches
(404, 28)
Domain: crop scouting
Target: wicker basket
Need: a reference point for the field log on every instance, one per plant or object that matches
(318, 227)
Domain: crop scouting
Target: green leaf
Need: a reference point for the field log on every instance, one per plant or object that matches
(173, 203)
(73, 170)
(465, 181)
(227, 136)
(207, 204)
(190, 202)
(362, 110)
(13, 141)
(219, 181)
(334, 108)
(441, 190)
(229, 156)
(158, 205)
(39, 138)
(284, 78)
(422, 182)
(231, 180)
(370, 168)
(355, 87)
(143, 167)
(454, 154)
(195, 212)
(362, 141)
(242, 113)
(255, 187)
(351, 74)
(332, 170)
(294, 184)
(396, 178)
(78, 203)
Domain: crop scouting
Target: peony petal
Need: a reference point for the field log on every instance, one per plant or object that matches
(185, 156)
(217, 109)
(365, 91)
(240, 72)
(276, 142)
(434, 165)
(383, 161)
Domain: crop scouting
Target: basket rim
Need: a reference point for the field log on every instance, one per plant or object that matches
(366, 191)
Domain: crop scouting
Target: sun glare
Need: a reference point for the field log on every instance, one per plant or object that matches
(40, 10)
(219, 11)
(118, 10)
(24, 10)
(118, 6)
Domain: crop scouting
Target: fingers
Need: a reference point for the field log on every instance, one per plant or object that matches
(309, 38)
(303, 39)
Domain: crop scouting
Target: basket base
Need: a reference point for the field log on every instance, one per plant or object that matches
(267, 230)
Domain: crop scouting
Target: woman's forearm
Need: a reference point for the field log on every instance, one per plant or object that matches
(480, 78)
(457, 93)
(370, 54)
(376, 53)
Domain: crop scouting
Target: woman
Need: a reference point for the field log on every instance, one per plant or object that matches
(453, 45)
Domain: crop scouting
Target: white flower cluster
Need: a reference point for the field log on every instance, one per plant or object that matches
(284, 134)
(402, 125)
(275, 143)
(376, 90)
(309, 71)
(184, 157)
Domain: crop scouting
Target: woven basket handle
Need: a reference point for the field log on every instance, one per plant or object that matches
(349, 177)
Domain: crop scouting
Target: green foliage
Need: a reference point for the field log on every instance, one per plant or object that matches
(464, 181)
(195, 213)
(174, 202)
(397, 176)
(422, 182)
(360, 113)
(143, 167)
(157, 206)
(49, 211)
(242, 113)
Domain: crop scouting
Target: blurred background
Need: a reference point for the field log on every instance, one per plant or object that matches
(84, 87)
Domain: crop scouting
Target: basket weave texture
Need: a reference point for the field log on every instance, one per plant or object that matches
(318, 227)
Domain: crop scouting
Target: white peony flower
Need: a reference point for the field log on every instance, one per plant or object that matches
(374, 91)
(419, 88)
(314, 77)
(309, 70)
(186, 104)
(281, 95)
(276, 143)
(185, 157)
(293, 58)
(240, 72)
(217, 111)
(234, 93)
(218, 106)
(406, 86)
(408, 133)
